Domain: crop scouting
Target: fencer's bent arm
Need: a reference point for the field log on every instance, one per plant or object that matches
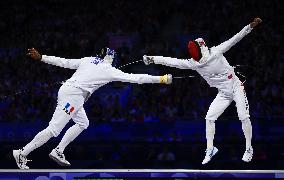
(173, 62)
(118, 75)
(62, 62)
(225, 46)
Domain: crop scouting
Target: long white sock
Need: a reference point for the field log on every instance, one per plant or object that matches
(69, 136)
(210, 132)
(247, 129)
(41, 138)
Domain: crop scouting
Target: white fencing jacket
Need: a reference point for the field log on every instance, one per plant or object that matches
(92, 73)
(215, 70)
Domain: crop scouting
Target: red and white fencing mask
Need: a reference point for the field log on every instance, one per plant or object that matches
(198, 49)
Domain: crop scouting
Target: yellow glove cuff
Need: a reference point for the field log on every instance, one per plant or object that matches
(164, 79)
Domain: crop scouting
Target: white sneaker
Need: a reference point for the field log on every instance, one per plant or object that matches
(209, 154)
(21, 160)
(59, 157)
(247, 157)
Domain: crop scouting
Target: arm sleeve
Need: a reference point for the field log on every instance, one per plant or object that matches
(225, 46)
(118, 75)
(174, 62)
(62, 62)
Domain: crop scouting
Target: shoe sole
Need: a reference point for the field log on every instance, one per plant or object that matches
(17, 159)
(247, 160)
(57, 161)
(214, 153)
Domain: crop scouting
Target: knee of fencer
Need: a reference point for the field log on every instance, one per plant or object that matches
(84, 125)
(210, 126)
(53, 130)
(210, 117)
(246, 120)
(210, 120)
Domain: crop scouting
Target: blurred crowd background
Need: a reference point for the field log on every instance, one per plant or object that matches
(143, 126)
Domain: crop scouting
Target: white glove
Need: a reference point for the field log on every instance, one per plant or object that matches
(148, 60)
(166, 79)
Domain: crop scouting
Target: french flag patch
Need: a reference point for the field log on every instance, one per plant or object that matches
(68, 108)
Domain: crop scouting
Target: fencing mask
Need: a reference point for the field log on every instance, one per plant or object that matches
(198, 50)
(106, 54)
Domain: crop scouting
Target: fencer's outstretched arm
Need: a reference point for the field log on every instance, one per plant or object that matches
(62, 62)
(57, 61)
(168, 61)
(118, 75)
(225, 46)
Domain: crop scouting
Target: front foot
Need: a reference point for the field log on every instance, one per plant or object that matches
(247, 157)
(209, 154)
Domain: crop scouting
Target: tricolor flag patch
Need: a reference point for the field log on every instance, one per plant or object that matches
(68, 108)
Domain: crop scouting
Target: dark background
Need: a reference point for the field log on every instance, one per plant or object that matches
(132, 125)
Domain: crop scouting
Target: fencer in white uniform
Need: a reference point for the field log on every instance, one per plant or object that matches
(215, 69)
(91, 73)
